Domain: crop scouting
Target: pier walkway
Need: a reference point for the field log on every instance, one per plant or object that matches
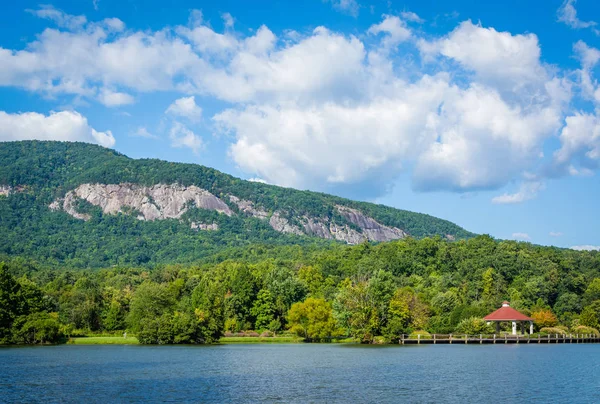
(499, 339)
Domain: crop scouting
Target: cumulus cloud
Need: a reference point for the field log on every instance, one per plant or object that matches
(521, 236)
(580, 144)
(65, 125)
(495, 57)
(114, 98)
(350, 7)
(589, 57)
(469, 110)
(257, 180)
(59, 17)
(394, 28)
(143, 132)
(568, 15)
(527, 191)
(185, 107)
(181, 136)
(228, 20)
(410, 16)
(586, 248)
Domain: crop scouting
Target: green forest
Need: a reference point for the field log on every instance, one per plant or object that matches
(165, 283)
(39, 172)
(368, 293)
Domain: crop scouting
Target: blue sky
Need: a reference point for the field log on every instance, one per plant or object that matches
(483, 113)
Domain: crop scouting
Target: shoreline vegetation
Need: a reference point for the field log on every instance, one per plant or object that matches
(369, 293)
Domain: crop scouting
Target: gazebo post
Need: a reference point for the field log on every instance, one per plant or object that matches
(497, 327)
(514, 328)
(531, 328)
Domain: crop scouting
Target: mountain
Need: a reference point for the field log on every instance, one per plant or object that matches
(87, 206)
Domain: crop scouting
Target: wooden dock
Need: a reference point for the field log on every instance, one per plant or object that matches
(499, 339)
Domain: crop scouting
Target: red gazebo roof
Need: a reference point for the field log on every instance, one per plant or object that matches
(507, 313)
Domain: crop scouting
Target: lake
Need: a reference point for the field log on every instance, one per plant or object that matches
(301, 373)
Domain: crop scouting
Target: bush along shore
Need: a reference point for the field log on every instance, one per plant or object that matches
(369, 293)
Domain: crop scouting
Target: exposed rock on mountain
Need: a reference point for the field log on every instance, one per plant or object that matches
(160, 201)
(5, 190)
(248, 208)
(282, 225)
(163, 201)
(169, 210)
(373, 230)
(204, 226)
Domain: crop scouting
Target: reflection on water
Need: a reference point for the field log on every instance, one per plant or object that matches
(301, 373)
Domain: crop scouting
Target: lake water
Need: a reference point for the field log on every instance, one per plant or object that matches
(301, 373)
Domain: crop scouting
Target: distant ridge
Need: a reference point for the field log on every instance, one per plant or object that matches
(91, 206)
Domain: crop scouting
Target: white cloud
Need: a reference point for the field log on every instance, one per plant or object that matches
(470, 110)
(114, 99)
(479, 133)
(257, 180)
(585, 248)
(580, 143)
(521, 236)
(555, 234)
(228, 20)
(185, 107)
(495, 57)
(350, 7)
(410, 16)
(143, 132)
(568, 15)
(181, 136)
(65, 125)
(527, 191)
(589, 58)
(394, 28)
(59, 17)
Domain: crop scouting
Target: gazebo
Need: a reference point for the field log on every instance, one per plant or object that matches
(506, 314)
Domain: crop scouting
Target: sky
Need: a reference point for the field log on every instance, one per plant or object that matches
(483, 113)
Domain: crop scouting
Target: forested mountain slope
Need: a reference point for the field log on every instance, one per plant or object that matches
(87, 206)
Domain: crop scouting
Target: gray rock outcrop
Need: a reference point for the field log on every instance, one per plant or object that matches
(371, 229)
(163, 201)
(248, 208)
(282, 225)
(160, 201)
(204, 226)
(5, 190)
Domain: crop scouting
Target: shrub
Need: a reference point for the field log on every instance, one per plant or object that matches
(266, 334)
(544, 318)
(474, 326)
(582, 329)
(552, 331)
(415, 334)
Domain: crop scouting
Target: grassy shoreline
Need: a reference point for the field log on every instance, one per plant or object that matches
(103, 341)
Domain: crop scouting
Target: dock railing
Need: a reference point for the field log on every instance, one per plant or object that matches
(503, 338)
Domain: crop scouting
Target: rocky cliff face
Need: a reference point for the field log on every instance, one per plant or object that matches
(157, 202)
(370, 229)
(5, 190)
(165, 201)
(373, 230)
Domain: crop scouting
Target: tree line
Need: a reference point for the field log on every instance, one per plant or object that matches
(367, 292)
